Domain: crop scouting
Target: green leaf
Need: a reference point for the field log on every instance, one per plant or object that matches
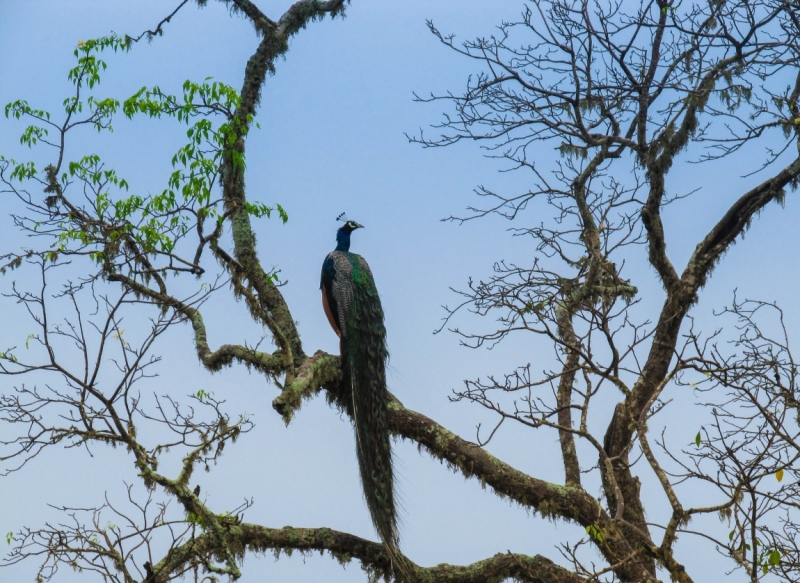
(774, 557)
(196, 519)
(697, 439)
(282, 213)
(9, 537)
(593, 531)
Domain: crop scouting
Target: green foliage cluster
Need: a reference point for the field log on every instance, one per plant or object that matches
(156, 222)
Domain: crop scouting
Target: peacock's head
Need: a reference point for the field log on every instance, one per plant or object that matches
(349, 226)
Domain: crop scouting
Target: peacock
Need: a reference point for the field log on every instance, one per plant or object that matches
(353, 307)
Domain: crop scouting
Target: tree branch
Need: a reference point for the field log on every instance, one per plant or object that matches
(344, 547)
(734, 223)
(274, 43)
(548, 499)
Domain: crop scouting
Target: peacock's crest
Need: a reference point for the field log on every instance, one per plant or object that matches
(349, 225)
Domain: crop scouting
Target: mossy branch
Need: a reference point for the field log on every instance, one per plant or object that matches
(213, 360)
(374, 559)
(551, 500)
(321, 370)
(274, 43)
(734, 222)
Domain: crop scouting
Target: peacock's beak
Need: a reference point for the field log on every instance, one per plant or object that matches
(359, 226)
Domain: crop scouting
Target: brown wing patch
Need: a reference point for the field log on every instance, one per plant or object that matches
(329, 314)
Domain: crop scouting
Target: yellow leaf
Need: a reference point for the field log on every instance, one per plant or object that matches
(779, 475)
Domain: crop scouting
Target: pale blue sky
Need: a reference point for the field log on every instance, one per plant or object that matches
(333, 120)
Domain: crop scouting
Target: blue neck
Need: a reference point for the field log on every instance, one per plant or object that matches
(342, 240)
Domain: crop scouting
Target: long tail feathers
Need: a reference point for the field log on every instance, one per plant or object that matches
(364, 366)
